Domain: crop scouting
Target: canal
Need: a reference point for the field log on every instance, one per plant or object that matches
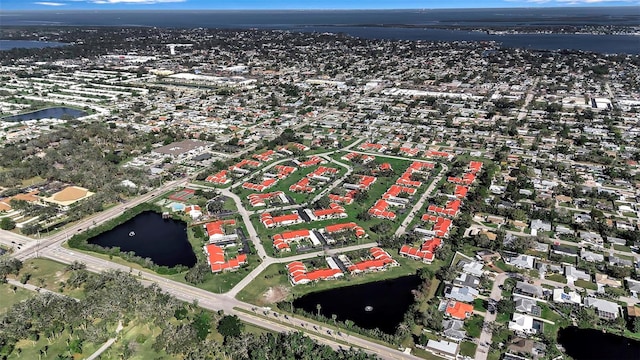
(148, 235)
(587, 344)
(380, 304)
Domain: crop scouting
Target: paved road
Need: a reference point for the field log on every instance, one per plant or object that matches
(414, 211)
(216, 302)
(486, 335)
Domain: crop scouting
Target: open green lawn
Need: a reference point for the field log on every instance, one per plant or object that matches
(622, 248)
(31, 349)
(468, 349)
(585, 284)
(556, 277)
(480, 305)
(9, 297)
(32, 181)
(47, 274)
(473, 326)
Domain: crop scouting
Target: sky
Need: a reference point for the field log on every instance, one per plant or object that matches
(57, 5)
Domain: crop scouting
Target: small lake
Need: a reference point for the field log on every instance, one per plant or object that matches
(49, 113)
(148, 235)
(28, 44)
(587, 344)
(389, 301)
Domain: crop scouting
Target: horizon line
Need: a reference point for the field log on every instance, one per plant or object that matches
(59, 9)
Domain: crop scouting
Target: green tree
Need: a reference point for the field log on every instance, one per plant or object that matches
(230, 326)
(7, 224)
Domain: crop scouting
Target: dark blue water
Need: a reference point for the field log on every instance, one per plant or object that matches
(374, 24)
(390, 300)
(25, 44)
(164, 241)
(588, 344)
(49, 113)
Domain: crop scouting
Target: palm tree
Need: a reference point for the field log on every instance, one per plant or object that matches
(318, 307)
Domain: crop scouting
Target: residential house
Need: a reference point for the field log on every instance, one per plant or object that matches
(521, 261)
(606, 309)
(589, 256)
(458, 310)
(572, 274)
(588, 237)
(454, 329)
(448, 349)
(633, 286)
(528, 289)
(603, 280)
(523, 324)
(526, 305)
(464, 294)
(465, 279)
(614, 260)
(539, 225)
(572, 297)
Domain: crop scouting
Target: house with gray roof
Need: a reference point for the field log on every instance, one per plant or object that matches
(572, 274)
(616, 241)
(614, 260)
(454, 329)
(592, 238)
(521, 261)
(540, 225)
(528, 289)
(464, 294)
(465, 279)
(606, 309)
(526, 305)
(589, 256)
(633, 286)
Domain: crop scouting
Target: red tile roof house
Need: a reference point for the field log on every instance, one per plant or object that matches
(341, 199)
(284, 171)
(437, 154)
(259, 199)
(426, 253)
(338, 228)
(298, 274)
(281, 241)
(264, 185)
(353, 156)
(302, 186)
(265, 156)
(321, 171)
(379, 210)
(334, 211)
(283, 220)
(452, 208)
(314, 160)
(380, 261)
(220, 178)
(409, 151)
(366, 181)
(441, 225)
(216, 259)
(240, 167)
(215, 229)
(194, 211)
(459, 310)
(370, 146)
(287, 149)
(461, 191)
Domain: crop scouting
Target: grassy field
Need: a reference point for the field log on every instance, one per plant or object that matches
(9, 297)
(33, 349)
(585, 284)
(468, 349)
(480, 305)
(47, 274)
(556, 277)
(473, 326)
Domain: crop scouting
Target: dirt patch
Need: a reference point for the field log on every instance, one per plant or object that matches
(275, 294)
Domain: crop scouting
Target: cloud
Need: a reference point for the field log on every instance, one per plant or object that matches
(48, 3)
(139, 2)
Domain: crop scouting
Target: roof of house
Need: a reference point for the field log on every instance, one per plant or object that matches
(459, 310)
